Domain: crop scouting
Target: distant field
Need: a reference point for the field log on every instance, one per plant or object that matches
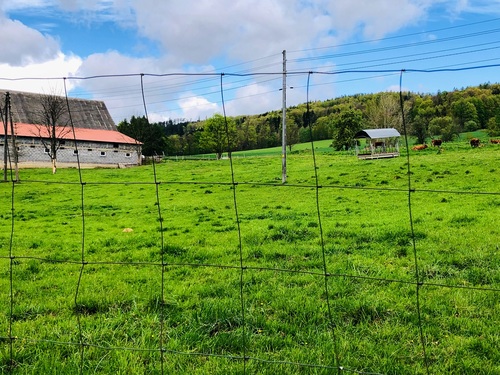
(377, 266)
(324, 146)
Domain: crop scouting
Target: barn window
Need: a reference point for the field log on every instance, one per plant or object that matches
(89, 149)
(46, 151)
(75, 152)
(127, 154)
(103, 153)
(62, 142)
(116, 145)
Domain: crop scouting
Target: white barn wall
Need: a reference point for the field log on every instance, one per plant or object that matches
(32, 150)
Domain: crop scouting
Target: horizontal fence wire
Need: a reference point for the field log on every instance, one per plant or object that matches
(164, 267)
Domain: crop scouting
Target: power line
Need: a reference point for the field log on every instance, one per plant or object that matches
(413, 55)
(398, 36)
(396, 47)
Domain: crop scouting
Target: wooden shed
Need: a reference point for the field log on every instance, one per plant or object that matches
(377, 143)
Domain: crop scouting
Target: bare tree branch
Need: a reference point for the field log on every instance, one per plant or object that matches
(53, 125)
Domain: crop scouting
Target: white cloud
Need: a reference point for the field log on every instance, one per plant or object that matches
(7, 5)
(242, 29)
(122, 93)
(490, 7)
(25, 78)
(22, 45)
(375, 18)
(197, 107)
(396, 88)
(74, 5)
(118, 82)
(98, 11)
(249, 29)
(254, 98)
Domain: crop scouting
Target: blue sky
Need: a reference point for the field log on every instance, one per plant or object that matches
(350, 46)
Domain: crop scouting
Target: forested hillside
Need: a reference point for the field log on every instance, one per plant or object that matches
(441, 115)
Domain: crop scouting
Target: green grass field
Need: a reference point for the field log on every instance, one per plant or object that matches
(351, 272)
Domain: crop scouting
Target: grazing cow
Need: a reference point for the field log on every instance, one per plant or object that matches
(495, 141)
(437, 142)
(419, 147)
(475, 142)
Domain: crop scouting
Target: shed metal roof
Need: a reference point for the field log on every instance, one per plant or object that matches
(377, 133)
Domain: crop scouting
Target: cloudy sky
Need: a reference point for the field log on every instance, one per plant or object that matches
(175, 51)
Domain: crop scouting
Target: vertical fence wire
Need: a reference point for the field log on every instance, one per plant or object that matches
(81, 340)
(418, 282)
(11, 274)
(238, 226)
(13, 181)
(326, 274)
(162, 246)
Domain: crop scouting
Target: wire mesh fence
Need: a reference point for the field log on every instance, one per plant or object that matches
(215, 267)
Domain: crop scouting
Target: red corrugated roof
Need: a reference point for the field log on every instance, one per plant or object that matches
(81, 134)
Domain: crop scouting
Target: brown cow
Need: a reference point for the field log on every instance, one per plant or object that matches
(495, 141)
(437, 142)
(475, 142)
(419, 147)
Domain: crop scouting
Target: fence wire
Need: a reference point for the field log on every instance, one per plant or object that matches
(165, 266)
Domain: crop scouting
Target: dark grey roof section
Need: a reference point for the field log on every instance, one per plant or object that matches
(90, 114)
(377, 133)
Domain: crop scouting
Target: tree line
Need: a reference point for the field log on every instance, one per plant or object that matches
(443, 115)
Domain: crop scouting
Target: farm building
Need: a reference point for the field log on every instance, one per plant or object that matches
(95, 138)
(377, 143)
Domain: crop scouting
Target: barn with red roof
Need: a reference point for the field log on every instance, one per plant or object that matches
(86, 133)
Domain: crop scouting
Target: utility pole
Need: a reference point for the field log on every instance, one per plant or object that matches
(283, 128)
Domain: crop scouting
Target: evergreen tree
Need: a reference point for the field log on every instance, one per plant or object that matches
(150, 135)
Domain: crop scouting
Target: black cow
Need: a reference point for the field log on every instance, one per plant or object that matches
(475, 142)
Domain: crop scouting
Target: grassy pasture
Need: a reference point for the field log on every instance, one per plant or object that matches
(255, 286)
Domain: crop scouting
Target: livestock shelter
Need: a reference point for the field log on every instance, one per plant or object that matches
(377, 143)
(94, 137)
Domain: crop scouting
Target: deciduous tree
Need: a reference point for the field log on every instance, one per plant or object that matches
(219, 135)
(384, 111)
(247, 135)
(494, 125)
(463, 112)
(292, 133)
(53, 124)
(422, 112)
(346, 125)
(443, 126)
(322, 129)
